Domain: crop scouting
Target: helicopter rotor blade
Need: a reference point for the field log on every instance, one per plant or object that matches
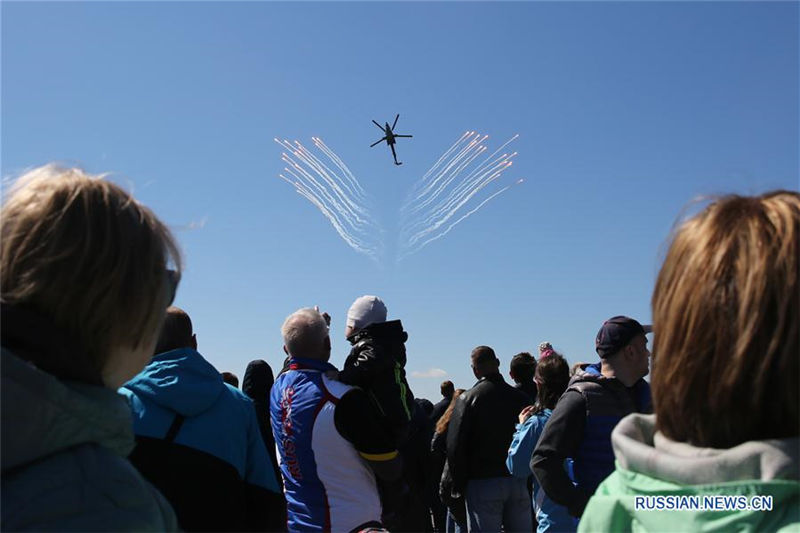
(381, 127)
(403, 135)
(376, 142)
(395, 120)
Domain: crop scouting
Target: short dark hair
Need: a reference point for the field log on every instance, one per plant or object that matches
(231, 379)
(522, 367)
(483, 358)
(176, 332)
(447, 388)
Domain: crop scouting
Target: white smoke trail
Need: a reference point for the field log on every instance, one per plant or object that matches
(444, 193)
(464, 217)
(451, 171)
(452, 212)
(462, 190)
(337, 195)
(474, 144)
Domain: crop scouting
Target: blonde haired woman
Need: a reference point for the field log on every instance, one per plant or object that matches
(85, 284)
(724, 437)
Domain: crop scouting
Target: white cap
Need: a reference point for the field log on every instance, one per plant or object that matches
(366, 310)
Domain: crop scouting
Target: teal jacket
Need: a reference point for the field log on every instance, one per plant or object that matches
(648, 465)
(64, 467)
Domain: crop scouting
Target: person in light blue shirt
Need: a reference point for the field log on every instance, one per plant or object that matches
(552, 377)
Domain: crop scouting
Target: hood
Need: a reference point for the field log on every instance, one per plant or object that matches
(180, 380)
(649, 464)
(33, 336)
(382, 333)
(42, 415)
(640, 448)
(258, 380)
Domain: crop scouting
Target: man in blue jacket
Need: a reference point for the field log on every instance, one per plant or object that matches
(331, 440)
(198, 438)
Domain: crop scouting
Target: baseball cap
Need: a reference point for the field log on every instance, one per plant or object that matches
(616, 333)
(366, 310)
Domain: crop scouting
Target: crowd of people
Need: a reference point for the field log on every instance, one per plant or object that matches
(113, 420)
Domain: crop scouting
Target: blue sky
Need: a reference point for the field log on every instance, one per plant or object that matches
(625, 113)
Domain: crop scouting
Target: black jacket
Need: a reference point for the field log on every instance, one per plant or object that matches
(481, 430)
(257, 383)
(377, 364)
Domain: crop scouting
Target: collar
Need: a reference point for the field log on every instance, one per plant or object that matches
(495, 377)
(34, 337)
(639, 447)
(301, 363)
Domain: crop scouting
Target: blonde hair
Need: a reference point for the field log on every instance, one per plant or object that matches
(725, 322)
(81, 251)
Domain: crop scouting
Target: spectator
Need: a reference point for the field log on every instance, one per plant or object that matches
(231, 379)
(257, 383)
(198, 439)
(426, 405)
(478, 437)
(377, 363)
(456, 518)
(84, 282)
(446, 388)
(521, 370)
(331, 441)
(726, 316)
(597, 398)
(552, 376)
(545, 350)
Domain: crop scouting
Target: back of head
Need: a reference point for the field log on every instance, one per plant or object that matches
(725, 316)
(231, 379)
(258, 379)
(305, 333)
(176, 331)
(447, 388)
(484, 361)
(552, 378)
(83, 253)
(366, 310)
(522, 367)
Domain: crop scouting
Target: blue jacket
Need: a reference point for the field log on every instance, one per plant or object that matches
(197, 437)
(328, 484)
(549, 515)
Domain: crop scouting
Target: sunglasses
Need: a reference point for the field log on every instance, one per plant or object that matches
(173, 278)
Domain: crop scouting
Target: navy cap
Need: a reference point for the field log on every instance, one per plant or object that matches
(616, 333)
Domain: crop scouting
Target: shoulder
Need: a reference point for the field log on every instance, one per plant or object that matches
(337, 389)
(84, 488)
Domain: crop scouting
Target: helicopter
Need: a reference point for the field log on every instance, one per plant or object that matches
(389, 136)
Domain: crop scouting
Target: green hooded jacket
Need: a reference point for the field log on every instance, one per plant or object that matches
(648, 465)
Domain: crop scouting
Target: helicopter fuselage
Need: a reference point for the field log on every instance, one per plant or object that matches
(389, 134)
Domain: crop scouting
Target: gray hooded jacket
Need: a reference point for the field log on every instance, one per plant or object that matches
(64, 446)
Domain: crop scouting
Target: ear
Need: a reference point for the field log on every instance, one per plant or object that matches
(285, 350)
(194, 341)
